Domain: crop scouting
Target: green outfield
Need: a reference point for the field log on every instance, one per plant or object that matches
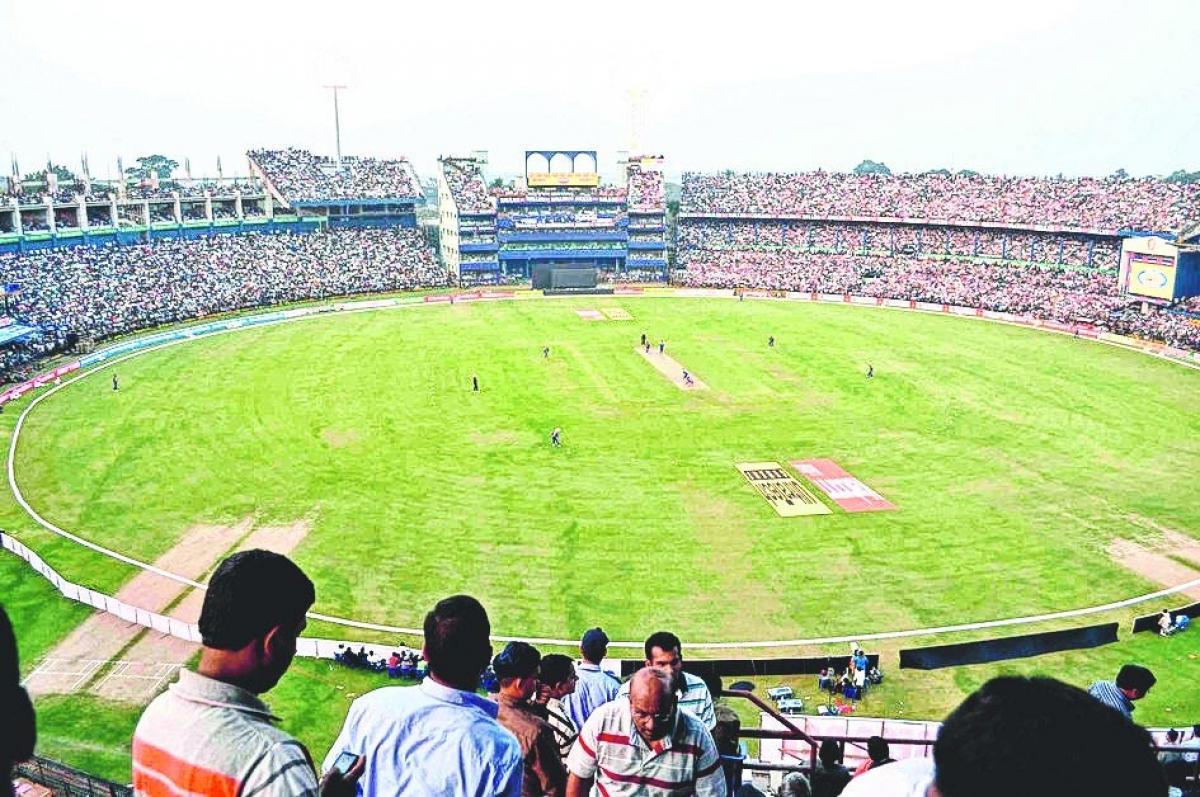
(1015, 459)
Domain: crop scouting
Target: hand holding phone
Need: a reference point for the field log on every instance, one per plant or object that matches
(341, 779)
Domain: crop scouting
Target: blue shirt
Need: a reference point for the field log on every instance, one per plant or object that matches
(1108, 694)
(594, 688)
(430, 740)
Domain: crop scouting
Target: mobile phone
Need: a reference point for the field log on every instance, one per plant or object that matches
(345, 761)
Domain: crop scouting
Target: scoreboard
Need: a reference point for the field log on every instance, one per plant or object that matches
(561, 168)
(1149, 268)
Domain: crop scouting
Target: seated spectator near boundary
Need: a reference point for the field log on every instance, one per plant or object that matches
(1133, 682)
(595, 686)
(556, 680)
(1034, 737)
(439, 737)
(18, 730)
(663, 652)
(517, 668)
(209, 733)
(830, 777)
(878, 752)
(643, 744)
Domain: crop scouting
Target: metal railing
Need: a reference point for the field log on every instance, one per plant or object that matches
(735, 765)
(65, 781)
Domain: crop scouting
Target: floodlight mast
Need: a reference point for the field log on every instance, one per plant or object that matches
(337, 123)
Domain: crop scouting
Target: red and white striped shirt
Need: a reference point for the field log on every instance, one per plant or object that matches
(610, 750)
(204, 736)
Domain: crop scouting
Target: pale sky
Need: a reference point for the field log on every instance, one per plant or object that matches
(1019, 87)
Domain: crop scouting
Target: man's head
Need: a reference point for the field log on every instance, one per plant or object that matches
(556, 676)
(1135, 681)
(594, 645)
(1172, 736)
(517, 668)
(663, 652)
(456, 642)
(652, 703)
(18, 732)
(878, 749)
(253, 613)
(830, 753)
(1039, 736)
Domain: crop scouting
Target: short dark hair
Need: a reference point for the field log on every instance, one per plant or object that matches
(664, 640)
(1041, 737)
(456, 639)
(830, 752)
(555, 669)
(250, 593)
(517, 660)
(1135, 676)
(878, 749)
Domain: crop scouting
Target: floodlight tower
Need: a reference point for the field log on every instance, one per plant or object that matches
(337, 123)
(637, 119)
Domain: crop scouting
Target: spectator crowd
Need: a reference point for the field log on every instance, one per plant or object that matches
(301, 176)
(931, 240)
(1090, 203)
(1064, 295)
(646, 190)
(553, 726)
(98, 292)
(467, 187)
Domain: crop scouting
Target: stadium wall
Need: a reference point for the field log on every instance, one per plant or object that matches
(1005, 648)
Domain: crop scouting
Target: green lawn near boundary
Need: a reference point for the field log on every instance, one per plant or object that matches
(1014, 456)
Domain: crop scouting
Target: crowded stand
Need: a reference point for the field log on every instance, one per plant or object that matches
(467, 186)
(646, 191)
(102, 291)
(1103, 204)
(1066, 295)
(300, 176)
(865, 238)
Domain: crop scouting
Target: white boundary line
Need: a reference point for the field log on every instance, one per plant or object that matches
(783, 643)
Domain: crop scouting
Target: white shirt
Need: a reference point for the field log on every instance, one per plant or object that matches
(910, 777)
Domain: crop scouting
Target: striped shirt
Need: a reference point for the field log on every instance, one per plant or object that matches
(623, 764)
(694, 697)
(1108, 694)
(204, 736)
(593, 688)
(564, 730)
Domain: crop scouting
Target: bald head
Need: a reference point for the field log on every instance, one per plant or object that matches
(652, 703)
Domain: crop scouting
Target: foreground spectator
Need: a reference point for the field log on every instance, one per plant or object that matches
(439, 737)
(595, 686)
(517, 669)
(556, 681)
(830, 777)
(18, 732)
(878, 752)
(1034, 737)
(643, 744)
(210, 733)
(795, 785)
(1133, 682)
(664, 652)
